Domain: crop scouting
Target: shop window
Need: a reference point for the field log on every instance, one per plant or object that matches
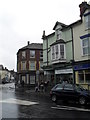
(87, 76)
(81, 76)
(32, 79)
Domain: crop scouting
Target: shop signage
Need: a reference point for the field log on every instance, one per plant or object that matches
(64, 71)
(82, 66)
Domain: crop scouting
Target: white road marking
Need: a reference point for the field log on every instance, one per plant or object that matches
(70, 108)
(17, 101)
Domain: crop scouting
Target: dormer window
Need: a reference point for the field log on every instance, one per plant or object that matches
(58, 34)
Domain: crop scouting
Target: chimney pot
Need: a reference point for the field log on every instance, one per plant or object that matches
(28, 42)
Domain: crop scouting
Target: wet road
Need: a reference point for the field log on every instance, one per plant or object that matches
(28, 104)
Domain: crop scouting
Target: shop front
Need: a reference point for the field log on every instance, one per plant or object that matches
(64, 75)
(82, 74)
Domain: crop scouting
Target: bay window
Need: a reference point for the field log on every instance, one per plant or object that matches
(58, 52)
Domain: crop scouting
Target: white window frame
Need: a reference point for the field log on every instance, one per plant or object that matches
(57, 55)
(58, 34)
(85, 47)
(63, 52)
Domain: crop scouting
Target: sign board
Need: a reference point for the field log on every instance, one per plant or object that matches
(64, 71)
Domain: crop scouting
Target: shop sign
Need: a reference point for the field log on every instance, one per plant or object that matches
(64, 71)
(82, 66)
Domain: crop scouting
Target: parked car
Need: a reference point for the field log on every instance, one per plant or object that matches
(70, 92)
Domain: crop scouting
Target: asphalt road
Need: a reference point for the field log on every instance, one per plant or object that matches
(29, 104)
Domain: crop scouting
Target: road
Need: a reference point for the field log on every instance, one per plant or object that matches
(29, 104)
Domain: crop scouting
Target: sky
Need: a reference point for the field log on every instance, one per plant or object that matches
(25, 20)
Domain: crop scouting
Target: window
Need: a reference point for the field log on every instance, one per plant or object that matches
(81, 76)
(87, 76)
(23, 54)
(32, 53)
(58, 51)
(68, 87)
(56, 47)
(59, 87)
(85, 46)
(58, 32)
(53, 54)
(23, 65)
(32, 79)
(32, 65)
(41, 54)
(61, 51)
(87, 21)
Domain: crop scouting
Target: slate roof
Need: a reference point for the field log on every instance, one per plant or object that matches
(32, 46)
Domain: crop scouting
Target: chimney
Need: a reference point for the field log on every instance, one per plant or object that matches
(82, 7)
(28, 42)
(43, 36)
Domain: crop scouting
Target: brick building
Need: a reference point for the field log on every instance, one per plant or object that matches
(29, 63)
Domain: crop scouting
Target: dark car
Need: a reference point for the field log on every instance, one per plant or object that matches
(70, 92)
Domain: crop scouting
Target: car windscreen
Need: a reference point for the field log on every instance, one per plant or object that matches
(59, 87)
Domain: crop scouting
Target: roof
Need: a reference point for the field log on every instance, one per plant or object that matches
(33, 46)
(58, 41)
(59, 23)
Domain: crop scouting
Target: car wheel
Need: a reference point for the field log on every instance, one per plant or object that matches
(82, 101)
(54, 98)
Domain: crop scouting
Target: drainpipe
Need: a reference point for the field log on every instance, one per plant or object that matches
(47, 50)
(73, 56)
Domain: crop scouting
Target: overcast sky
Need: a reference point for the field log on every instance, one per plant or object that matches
(25, 20)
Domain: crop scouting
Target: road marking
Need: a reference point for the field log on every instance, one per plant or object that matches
(17, 101)
(70, 108)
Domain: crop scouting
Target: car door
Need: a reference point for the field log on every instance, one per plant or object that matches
(69, 92)
(59, 91)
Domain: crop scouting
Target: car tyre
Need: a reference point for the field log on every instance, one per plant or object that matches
(82, 101)
(54, 98)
